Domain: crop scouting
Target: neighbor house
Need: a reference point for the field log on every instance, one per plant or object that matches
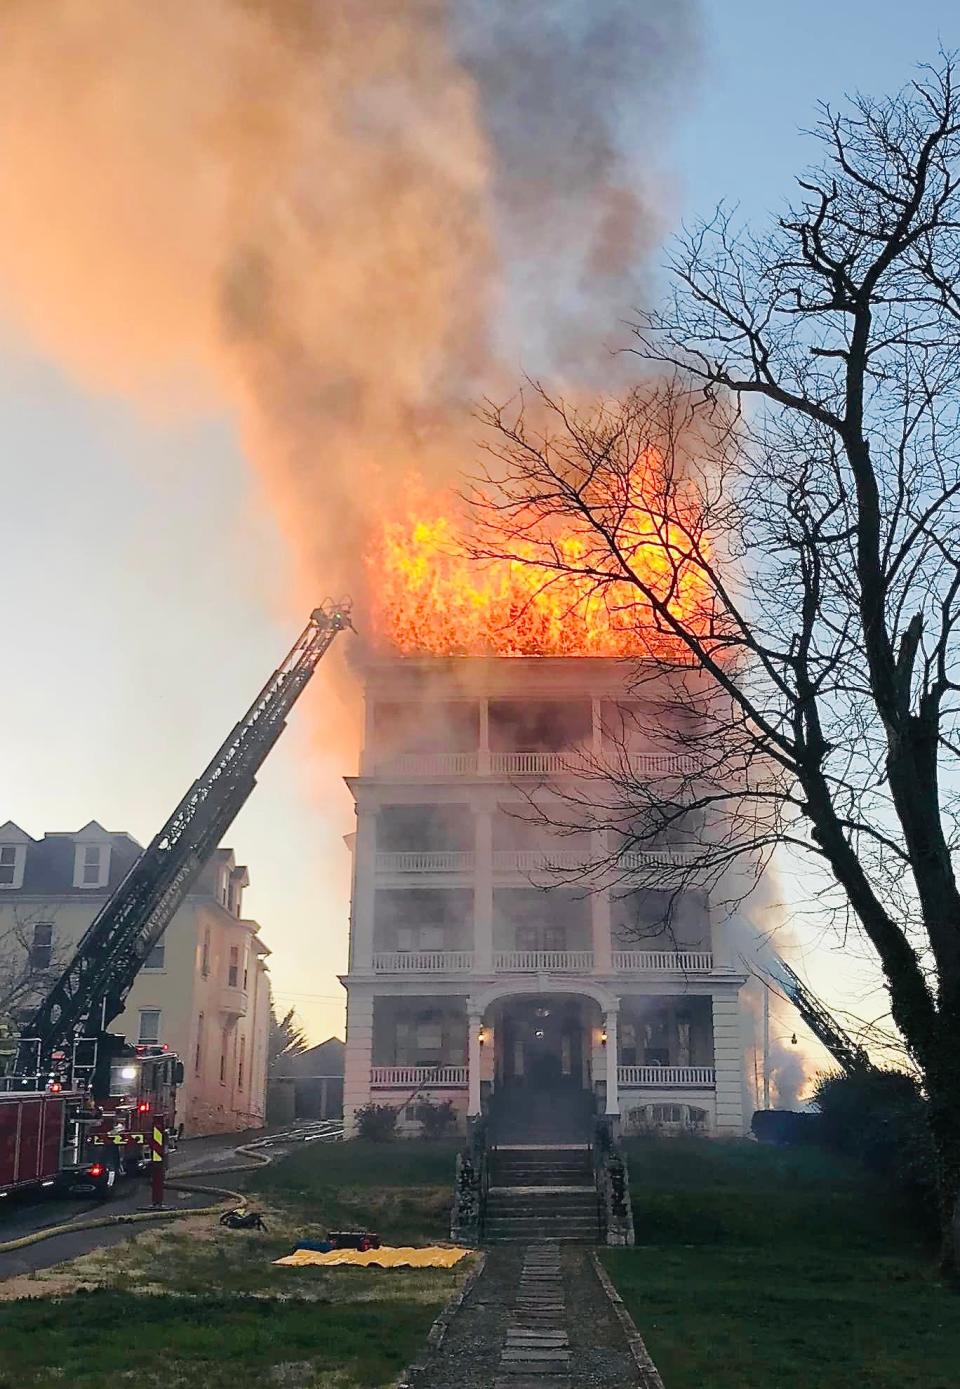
(203, 990)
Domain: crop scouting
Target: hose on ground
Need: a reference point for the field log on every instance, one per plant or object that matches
(226, 1194)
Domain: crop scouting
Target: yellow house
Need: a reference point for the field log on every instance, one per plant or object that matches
(204, 990)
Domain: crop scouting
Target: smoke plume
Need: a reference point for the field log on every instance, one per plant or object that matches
(338, 223)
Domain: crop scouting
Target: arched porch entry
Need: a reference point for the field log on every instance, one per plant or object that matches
(538, 1046)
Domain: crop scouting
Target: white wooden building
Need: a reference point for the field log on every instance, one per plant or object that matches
(481, 962)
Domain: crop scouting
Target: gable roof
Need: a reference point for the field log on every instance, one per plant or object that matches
(13, 834)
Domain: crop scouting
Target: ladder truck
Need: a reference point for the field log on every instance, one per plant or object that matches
(849, 1055)
(81, 1106)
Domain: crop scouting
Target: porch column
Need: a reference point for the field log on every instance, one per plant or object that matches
(483, 755)
(728, 1062)
(600, 923)
(364, 890)
(474, 1021)
(596, 719)
(613, 1050)
(483, 892)
(358, 1053)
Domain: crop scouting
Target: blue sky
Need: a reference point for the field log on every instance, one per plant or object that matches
(144, 605)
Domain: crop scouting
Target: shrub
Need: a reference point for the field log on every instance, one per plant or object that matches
(879, 1117)
(376, 1122)
(436, 1120)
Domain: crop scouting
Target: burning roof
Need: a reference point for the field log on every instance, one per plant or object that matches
(432, 593)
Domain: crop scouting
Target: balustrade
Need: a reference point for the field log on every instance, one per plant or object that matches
(545, 961)
(423, 961)
(665, 1077)
(663, 961)
(430, 1077)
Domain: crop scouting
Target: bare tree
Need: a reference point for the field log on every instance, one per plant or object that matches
(779, 507)
(26, 971)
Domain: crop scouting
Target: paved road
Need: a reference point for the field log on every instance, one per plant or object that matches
(28, 1213)
(202, 1157)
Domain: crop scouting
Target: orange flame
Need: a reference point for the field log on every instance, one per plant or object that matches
(427, 595)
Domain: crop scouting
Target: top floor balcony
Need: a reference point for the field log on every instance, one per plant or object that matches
(520, 763)
(510, 738)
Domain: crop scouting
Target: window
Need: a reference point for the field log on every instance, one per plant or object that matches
(246, 960)
(233, 970)
(205, 953)
(41, 947)
(243, 1047)
(92, 865)
(526, 937)
(11, 865)
(666, 1113)
(149, 1034)
(224, 1037)
(429, 1038)
(198, 1054)
(156, 958)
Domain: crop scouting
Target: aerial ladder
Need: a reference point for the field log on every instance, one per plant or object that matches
(849, 1055)
(66, 1043)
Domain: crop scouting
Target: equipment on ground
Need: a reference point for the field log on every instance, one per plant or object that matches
(113, 1095)
(849, 1055)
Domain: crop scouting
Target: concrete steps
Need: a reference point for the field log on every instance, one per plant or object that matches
(541, 1195)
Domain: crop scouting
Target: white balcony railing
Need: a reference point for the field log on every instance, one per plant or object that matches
(647, 860)
(538, 763)
(543, 961)
(414, 764)
(663, 961)
(423, 961)
(425, 861)
(664, 764)
(433, 1077)
(666, 1077)
(542, 860)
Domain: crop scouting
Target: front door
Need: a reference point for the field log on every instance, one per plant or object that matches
(542, 1045)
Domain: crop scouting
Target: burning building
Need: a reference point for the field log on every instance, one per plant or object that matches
(483, 969)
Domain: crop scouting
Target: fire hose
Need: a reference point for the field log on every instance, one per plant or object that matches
(226, 1194)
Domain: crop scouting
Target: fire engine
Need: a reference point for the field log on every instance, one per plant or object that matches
(82, 1108)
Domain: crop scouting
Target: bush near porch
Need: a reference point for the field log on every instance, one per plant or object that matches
(759, 1266)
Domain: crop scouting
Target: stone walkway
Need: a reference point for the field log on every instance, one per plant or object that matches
(537, 1318)
(536, 1342)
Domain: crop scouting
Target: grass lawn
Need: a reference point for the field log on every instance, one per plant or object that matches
(191, 1303)
(766, 1268)
(403, 1190)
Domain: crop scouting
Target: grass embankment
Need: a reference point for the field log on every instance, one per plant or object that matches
(194, 1303)
(767, 1268)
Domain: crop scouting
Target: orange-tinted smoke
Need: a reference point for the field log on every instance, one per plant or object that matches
(274, 207)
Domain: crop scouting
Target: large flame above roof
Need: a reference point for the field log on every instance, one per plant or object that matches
(427, 594)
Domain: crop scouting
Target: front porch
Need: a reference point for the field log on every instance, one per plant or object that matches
(648, 1059)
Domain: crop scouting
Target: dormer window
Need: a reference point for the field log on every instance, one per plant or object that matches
(12, 859)
(91, 865)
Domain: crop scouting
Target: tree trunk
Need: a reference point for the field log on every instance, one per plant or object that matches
(943, 1089)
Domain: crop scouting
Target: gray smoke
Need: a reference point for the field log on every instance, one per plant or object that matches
(577, 101)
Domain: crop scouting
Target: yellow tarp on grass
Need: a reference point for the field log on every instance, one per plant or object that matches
(434, 1257)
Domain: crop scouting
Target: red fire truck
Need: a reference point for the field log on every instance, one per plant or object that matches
(67, 1140)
